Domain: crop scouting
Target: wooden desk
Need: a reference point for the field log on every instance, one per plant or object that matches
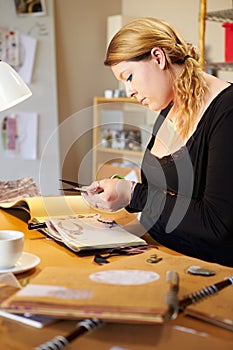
(183, 333)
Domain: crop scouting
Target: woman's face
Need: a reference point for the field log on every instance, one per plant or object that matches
(148, 81)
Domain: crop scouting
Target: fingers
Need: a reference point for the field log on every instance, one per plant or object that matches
(91, 196)
(94, 187)
(109, 194)
(116, 194)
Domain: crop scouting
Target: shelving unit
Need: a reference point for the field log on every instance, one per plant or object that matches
(119, 153)
(221, 17)
(215, 66)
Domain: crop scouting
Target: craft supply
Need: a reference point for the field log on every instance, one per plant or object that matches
(103, 255)
(153, 259)
(36, 226)
(76, 186)
(197, 270)
(117, 176)
(28, 319)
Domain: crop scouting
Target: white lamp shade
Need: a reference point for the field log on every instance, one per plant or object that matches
(13, 89)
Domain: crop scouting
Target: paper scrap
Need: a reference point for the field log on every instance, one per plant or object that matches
(19, 135)
(125, 277)
(54, 292)
(27, 57)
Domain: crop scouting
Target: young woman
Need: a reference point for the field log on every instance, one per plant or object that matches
(186, 194)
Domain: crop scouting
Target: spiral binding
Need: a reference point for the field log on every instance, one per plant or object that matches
(90, 324)
(60, 342)
(57, 343)
(205, 292)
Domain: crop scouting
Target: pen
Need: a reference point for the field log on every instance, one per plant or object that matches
(60, 342)
(172, 278)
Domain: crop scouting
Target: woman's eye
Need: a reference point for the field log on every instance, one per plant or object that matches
(129, 77)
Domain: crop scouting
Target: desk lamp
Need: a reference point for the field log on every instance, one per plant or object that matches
(13, 89)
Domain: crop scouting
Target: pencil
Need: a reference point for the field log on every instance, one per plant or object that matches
(60, 342)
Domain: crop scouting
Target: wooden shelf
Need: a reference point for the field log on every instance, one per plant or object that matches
(120, 151)
(101, 99)
(227, 66)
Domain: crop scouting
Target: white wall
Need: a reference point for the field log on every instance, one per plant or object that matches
(184, 15)
(81, 32)
(45, 169)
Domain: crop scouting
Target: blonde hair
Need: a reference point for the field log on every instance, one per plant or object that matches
(134, 42)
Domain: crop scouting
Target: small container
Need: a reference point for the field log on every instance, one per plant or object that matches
(108, 93)
(228, 41)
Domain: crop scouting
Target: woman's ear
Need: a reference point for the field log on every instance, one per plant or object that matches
(159, 57)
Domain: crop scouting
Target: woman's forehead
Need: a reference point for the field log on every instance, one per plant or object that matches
(123, 67)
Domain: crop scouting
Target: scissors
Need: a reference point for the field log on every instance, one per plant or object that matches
(76, 186)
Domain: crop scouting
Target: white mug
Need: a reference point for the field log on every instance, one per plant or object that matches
(11, 247)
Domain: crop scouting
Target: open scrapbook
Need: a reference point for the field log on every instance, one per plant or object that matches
(70, 220)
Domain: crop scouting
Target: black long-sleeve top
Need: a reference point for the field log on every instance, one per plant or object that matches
(186, 198)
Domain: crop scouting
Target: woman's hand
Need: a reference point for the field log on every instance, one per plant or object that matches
(109, 194)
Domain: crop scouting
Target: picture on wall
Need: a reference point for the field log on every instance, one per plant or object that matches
(30, 7)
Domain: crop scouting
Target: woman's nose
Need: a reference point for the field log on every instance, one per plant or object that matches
(130, 92)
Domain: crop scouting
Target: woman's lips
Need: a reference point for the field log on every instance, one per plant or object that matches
(143, 101)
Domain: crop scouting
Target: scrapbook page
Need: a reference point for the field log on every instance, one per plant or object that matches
(69, 220)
